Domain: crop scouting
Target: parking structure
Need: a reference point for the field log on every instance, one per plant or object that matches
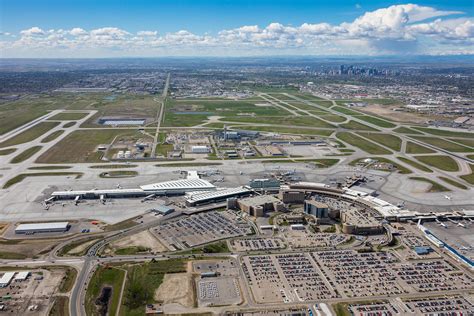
(302, 239)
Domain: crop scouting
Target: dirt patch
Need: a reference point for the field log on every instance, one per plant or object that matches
(387, 112)
(143, 239)
(80, 248)
(176, 288)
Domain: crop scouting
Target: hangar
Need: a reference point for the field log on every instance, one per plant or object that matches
(52, 227)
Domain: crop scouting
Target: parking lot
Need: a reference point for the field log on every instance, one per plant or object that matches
(374, 308)
(303, 239)
(256, 244)
(198, 229)
(288, 278)
(218, 291)
(445, 305)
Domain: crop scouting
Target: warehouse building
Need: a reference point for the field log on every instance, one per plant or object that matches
(6, 279)
(200, 150)
(53, 227)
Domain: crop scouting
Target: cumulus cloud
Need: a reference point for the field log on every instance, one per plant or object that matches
(407, 28)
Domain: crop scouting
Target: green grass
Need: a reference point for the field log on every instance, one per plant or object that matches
(382, 101)
(23, 176)
(442, 162)
(11, 255)
(401, 169)
(441, 132)
(333, 118)
(406, 130)
(69, 124)
(30, 134)
(391, 141)
(376, 121)
(52, 136)
(414, 148)
(361, 143)
(68, 116)
(163, 149)
(68, 280)
(290, 130)
(435, 187)
(26, 154)
(113, 166)
(4, 152)
(463, 141)
(356, 126)
(64, 251)
(131, 250)
(60, 306)
(118, 174)
(49, 167)
(121, 225)
(80, 146)
(104, 276)
(415, 164)
(289, 120)
(453, 183)
(218, 247)
(142, 282)
(189, 164)
(444, 144)
(344, 110)
(469, 177)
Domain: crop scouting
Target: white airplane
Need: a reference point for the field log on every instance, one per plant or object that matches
(461, 225)
(119, 186)
(447, 197)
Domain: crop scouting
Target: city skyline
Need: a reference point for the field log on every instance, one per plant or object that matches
(237, 28)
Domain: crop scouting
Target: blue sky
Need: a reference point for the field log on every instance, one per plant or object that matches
(206, 20)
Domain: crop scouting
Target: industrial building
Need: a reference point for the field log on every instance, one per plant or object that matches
(163, 209)
(52, 227)
(200, 149)
(6, 279)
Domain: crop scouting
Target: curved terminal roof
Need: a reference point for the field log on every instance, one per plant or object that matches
(193, 184)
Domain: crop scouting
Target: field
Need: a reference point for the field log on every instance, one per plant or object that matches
(442, 162)
(469, 177)
(376, 121)
(118, 174)
(30, 134)
(289, 130)
(26, 154)
(388, 140)
(4, 152)
(104, 277)
(435, 187)
(440, 132)
(288, 120)
(443, 144)
(357, 126)
(413, 148)
(463, 141)
(401, 169)
(52, 136)
(406, 130)
(80, 146)
(23, 176)
(361, 143)
(453, 183)
(415, 164)
(68, 116)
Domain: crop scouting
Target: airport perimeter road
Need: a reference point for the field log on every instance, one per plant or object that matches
(159, 117)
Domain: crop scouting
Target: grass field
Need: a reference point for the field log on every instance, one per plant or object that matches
(118, 174)
(442, 162)
(356, 126)
(189, 164)
(289, 130)
(4, 152)
(333, 118)
(49, 167)
(69, 124)
(30, 134)
(361, 143)
(289, 120)
(26, 154)
(345, 110)
(112, 166)
(79, 146)
(469, 177)
(376, 121)
(435, 187)
(406, 130)
(60, 306)
(12, 255)
(453, 183)
(23, 176)
(68, 280)
(441, 132)
(413, 148)
(131, 250)
(464, 141)
(104, 276)
(68, 116)
(142, 282)
(415, 164)
(444, 144)
(52, 136)
(388, 140)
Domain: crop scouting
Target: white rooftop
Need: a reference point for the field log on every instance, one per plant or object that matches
(193, 184)
(51, 225)
(198, 196)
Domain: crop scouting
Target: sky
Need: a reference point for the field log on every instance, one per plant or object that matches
(154, 28)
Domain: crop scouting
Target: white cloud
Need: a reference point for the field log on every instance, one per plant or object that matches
(407, 28)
